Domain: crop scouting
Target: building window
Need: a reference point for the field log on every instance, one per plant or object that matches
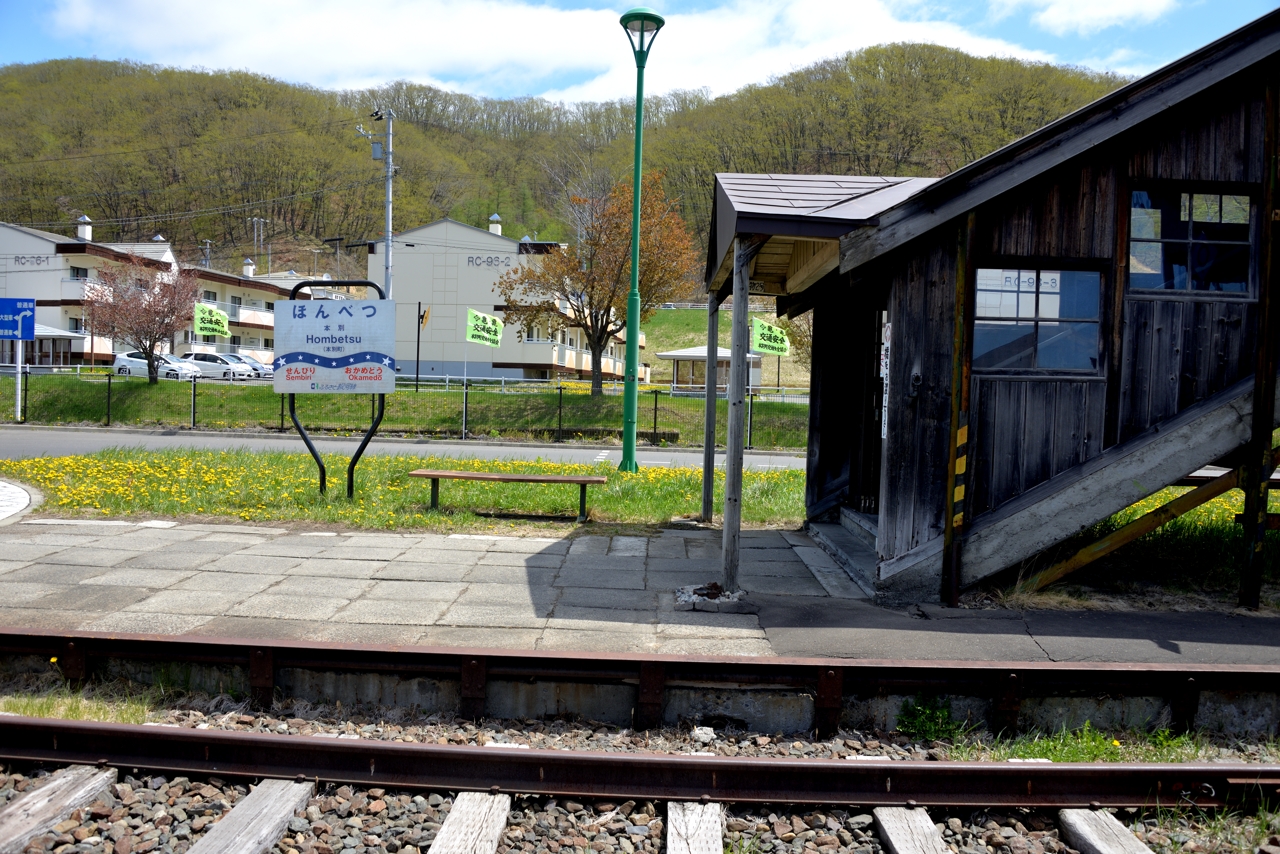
(74, 324)
(210, 296)
(79, 272)
(208, 339)
(1036, 319)
(1189, 242)
(269, 343)
(271, 306)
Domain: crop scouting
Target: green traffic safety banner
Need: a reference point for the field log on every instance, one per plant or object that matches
(769, 340)
(483, 328)
(211, 321)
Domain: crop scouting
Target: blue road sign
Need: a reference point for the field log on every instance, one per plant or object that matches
(17, 320)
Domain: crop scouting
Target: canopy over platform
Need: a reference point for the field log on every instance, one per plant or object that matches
(804, 217)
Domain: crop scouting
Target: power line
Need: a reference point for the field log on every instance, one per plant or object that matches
(192, 144)
(152, 218)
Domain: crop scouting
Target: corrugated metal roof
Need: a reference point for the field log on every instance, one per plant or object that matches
(699, 354)
(813, 206)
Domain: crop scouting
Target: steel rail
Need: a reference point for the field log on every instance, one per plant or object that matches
(639, 776)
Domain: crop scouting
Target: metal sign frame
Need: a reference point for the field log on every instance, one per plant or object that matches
(382, 397)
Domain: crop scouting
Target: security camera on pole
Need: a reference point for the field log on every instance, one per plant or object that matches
(379, 153)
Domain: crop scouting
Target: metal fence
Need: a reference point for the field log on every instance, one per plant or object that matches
(474, 409)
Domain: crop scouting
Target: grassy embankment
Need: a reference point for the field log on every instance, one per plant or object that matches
(676, 328)
(277, 487)
(1195, 558)
(526, 412)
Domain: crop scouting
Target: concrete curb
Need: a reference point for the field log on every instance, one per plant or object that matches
(34, 499)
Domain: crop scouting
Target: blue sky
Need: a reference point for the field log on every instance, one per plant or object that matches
(574, 49)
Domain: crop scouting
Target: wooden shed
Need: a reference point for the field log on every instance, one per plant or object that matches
(1064, 327)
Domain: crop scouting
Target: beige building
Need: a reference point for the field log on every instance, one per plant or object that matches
(448, 266)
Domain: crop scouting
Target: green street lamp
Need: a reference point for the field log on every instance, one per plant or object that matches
(642, 25)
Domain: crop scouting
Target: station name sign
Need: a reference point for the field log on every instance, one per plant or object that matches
(335, 347)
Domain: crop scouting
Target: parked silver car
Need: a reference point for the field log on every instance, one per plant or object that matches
(169, 367)
(261, 371)
(219, 365)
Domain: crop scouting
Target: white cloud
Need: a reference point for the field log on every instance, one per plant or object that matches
(1086, 17)
(502, 47)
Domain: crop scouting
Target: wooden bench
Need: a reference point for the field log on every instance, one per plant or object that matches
(583, 481)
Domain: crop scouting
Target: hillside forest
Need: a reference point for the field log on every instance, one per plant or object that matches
(195, 155)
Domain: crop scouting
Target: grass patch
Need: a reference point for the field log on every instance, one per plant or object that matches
(928, 719)
(1086, 744)
(1165, 830)
(255, 486)
(46, 695)
(1192, 561)
(516, 411)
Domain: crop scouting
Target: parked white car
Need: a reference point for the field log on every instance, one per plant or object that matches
(261, 371)
(218, 365)
(170, 367)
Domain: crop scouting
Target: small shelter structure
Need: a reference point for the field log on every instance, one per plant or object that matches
(689, 368)
(1037, 340)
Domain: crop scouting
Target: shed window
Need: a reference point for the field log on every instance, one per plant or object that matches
(1036, 319)
(1189, 242)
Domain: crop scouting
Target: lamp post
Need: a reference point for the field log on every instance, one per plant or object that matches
(642, 25)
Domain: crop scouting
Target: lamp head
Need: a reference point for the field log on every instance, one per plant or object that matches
(642, 25)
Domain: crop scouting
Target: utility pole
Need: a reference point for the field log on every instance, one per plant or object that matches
(207, 251)
(385, 154)
(337, 252)
(259, 235)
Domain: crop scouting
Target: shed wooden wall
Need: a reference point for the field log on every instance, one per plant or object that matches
(1160, 353)
(913, 480)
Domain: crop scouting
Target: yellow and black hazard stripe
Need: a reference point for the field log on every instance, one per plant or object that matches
(962, 468)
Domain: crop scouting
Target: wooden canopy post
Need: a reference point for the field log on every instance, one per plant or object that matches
(958, 455)
(1260, 463)
(709, 422)
(745, 248)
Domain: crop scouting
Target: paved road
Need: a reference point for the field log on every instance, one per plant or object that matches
(20, 442)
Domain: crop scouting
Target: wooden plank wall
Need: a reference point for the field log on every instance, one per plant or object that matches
(1173, 351)
(1179, 350)
(1028, 431)
(913, 481)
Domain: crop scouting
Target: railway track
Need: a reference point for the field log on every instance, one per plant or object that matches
(692, 791)
(287, 790)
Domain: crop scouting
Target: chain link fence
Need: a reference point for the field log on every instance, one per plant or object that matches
(475, 409)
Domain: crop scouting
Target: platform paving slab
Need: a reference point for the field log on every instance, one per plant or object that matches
(590, 592)
(402, 612)
(204, 602)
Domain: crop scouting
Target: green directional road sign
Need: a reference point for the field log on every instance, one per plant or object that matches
(768, 340)
(211, 321)
(483, 328)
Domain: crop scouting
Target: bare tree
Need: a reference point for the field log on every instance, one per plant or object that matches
(143, 304)
(800, 331)
(586, 286)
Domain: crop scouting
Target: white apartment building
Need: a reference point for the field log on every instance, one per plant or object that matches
(53, 269)
(450, 267)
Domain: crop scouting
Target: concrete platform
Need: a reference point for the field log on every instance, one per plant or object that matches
(589, 593)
